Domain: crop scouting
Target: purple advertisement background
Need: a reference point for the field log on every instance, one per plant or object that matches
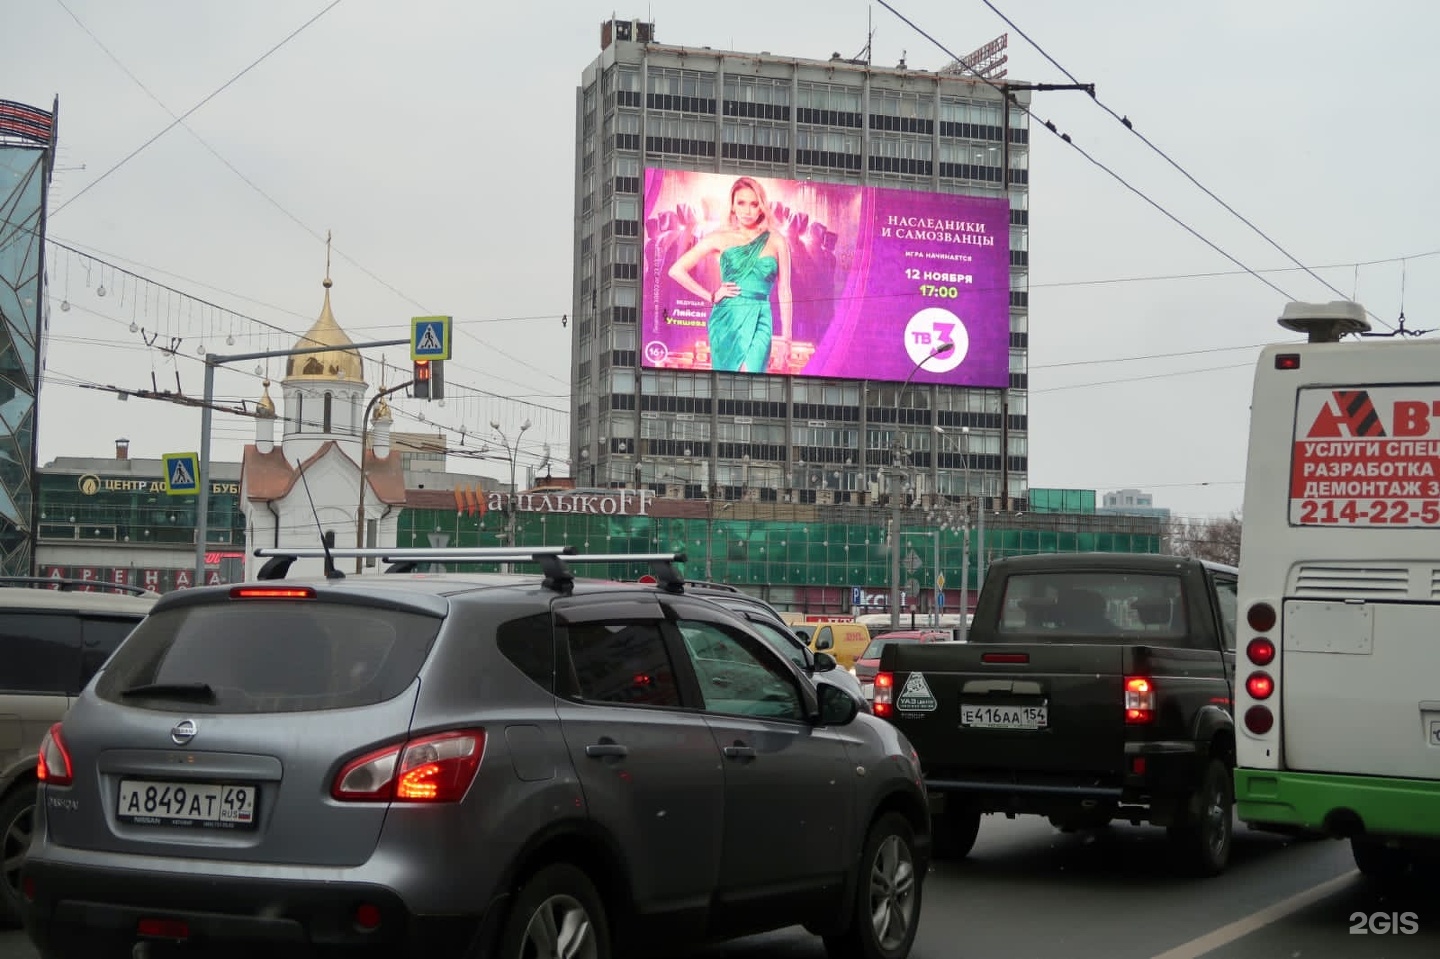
(870, 268)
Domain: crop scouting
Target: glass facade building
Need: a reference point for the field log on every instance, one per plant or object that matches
(27, 156)
(711, 435)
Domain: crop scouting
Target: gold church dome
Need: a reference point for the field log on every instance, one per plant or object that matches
(332, 364)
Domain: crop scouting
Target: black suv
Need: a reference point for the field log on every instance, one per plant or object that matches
(466, 765)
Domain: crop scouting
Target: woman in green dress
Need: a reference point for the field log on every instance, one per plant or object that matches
(754, 259)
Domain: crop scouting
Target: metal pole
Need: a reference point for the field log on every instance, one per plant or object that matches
(202, 492)
(982, 559)
(895, 450)
(965, 584)
(935, 586)
(895, 525)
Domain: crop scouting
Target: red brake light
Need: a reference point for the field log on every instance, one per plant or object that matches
(1261, 617)
(164, 929)
(437, 768)
(1004, 657)
(1258, 720)
(1139, 700)
(1259, 685)
(53, 767)
(1287, 361)
(883, 703)
(1261, 651)
(273, 592)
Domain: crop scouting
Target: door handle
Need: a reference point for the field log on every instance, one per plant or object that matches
(602, 750)
(739, 751)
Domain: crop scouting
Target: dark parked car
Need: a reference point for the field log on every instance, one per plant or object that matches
(54, 635)
(820, 667)
(466, 765)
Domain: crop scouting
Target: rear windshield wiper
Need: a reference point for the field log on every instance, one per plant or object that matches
(174, 690)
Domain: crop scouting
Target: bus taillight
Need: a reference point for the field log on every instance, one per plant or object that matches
(1261, 617)
(1261, 651)
(1259, 720)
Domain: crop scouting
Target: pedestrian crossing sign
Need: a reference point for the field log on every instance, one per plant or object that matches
(430, 337)
(182, 474)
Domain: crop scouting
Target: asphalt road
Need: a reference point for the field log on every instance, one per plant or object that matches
(1029, 892)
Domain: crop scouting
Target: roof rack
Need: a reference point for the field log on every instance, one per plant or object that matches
(554, 561)
(70, 585)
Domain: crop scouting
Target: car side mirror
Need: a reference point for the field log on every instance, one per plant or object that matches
(826, 643)
(824, 662)
(837, 707)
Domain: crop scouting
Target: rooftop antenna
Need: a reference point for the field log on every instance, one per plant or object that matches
(1325, 322)
(327, 538)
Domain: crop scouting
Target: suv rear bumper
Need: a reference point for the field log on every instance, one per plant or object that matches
(89, 913)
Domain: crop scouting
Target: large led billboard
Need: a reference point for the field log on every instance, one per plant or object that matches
(763, 275)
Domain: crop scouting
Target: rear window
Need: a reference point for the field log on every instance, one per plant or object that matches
(1095, 604)
(875, 648)
(270, 657)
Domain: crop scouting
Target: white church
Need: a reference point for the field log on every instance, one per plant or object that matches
(320, 457)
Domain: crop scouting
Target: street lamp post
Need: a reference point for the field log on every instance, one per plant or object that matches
(513, 451)
(895, 471)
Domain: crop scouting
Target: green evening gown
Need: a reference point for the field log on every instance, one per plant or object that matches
(740, 327)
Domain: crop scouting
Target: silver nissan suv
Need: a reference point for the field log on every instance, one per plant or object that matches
(465, 765)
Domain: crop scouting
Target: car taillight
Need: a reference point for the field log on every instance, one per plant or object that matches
(53, 767)
(1261, 651)
(883, 702)
(1139, 700)
(1259, 685)
(435, 768)
(1259, 719)
(1261, 617)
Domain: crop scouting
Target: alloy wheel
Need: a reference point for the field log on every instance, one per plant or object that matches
(892, 893)
(15, 844)
(560, 928)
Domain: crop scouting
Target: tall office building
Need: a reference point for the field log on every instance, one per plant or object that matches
(880, 181)
(27, 160)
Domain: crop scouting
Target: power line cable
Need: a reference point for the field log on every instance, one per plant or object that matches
(1005, 94)
(251, 183)
(1126, 122)
(178, 120)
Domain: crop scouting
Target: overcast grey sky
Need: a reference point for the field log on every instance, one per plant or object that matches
(436, 140)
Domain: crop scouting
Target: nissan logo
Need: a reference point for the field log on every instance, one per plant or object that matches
(183, 732)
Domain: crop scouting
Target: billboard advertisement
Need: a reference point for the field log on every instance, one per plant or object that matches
(797, 278)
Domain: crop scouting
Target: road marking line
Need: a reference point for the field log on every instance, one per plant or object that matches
(1240, 928)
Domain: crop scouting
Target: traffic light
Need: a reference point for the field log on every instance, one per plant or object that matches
(429, 380)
